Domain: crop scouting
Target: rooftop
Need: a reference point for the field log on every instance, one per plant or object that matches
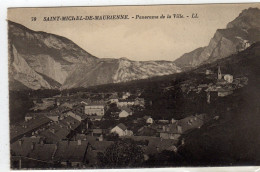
(122, 126)
(71, 150)
(125, 109)
(24, 127)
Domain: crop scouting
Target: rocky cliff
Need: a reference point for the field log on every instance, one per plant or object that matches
(39, 60)
(238, 35)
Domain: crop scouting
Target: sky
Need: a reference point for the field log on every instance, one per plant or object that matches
(135, 39)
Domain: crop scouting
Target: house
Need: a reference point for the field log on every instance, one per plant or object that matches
(209, 72)
(97, 132)
(27, 127)
(182, 126)
(148, 119)
(125, 112)
(31, 149)
(146, 131)
(139, 102)
(125, 95)
(53, 116)
(61, 130)
(125, 103)
(95, 118)
(30, 116)
(43, 152)
(171, 131)
(157, 145)
(228, 78)
(121, 130)
(76, 115)
(95, 108)
(23, 146)
(113, 99)
(71, 153)
(224, 92)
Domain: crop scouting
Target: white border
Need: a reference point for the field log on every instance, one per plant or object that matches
(4, 112)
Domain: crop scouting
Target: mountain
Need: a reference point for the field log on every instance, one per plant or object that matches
(237, 36)
(39, 60)
(234, 138)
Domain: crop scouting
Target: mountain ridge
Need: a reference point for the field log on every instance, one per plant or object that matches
(39, 60)
(239, 34)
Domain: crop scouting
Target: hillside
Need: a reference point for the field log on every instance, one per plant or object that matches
(39, 60)
(237, 36)
(234, 138)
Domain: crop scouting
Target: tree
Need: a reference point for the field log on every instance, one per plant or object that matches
(122, 154)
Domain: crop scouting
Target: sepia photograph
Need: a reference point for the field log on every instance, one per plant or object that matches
(137, 86)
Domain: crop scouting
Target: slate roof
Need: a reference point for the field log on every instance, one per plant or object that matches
(160, 144)
(122, 126)
(71, 151)
(25, 148)
(19, 130)
(128, 110)
(43, 152)
(97, 131)
(146, 117)
(61, 129)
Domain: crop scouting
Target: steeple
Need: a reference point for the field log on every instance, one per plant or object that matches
(219, 73)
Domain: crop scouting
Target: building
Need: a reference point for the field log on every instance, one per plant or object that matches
(121, 130)
(71, 153)
(113, 98)
(146, 131)
(97, 132)
(30, 116)
(171, 131)
(30, 152)
(95, 109)
(182, 126)
(76, 115)
(28, 127)
(126, 95)
(125, 112)
(209, 72)
(125, 103)
(53, 116)
(148, 119)
(95, 118)
(61, 130)
(139, 102)
(228, 78)
(222, 92)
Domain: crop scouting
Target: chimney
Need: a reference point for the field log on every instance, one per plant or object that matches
(101, 138)
(32, 146)
(79, 142)
(87, 125)
(20, 142)
(179, 128)
(163, 128)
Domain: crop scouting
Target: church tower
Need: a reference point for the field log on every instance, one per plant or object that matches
(219, 73)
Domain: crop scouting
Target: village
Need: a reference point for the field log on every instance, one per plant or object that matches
(70, 131)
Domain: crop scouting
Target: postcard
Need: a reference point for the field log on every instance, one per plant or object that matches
(149, 86)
